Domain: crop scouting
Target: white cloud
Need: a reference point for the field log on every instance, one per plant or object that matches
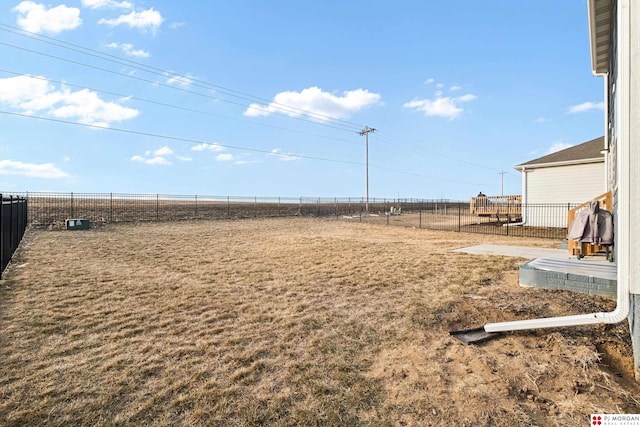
(557, 146)
(33, 95)
(36, 18)
(542, 120)
(184, 158)
(127, 49)
(157, 160)
(441, 106)
(31, 170)
(224, 157)
(99, 4)
(285, 157)
(157, 157)
(163, 151)
(429, 81)
(147, 19)
(185, 80)
(466, 98)
(246, 162)
(86, 107)
(176, 25)
(586, 106)
(316, 104)
(204, 146)
(455, 87)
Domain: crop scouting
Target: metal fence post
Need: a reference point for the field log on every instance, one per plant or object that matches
(420, 218)
(1, 234)
(71, 206)
(11, 230)
(25, 217)
(110, 207)
(459, 217)
(157, 206)
(508, 219)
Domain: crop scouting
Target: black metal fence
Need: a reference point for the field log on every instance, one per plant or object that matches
(547, 221)
(52, 209)
(13, 222)
(533, 220)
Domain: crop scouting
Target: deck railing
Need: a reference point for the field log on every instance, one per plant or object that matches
(496, 205)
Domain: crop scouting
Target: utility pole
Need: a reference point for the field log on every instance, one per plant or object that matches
(502, 182)
(366, 132)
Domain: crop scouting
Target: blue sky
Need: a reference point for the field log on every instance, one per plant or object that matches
(255, 98)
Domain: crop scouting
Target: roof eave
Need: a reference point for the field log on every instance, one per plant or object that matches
(599, 12)
(553, 164)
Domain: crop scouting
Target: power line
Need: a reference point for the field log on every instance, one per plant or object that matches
(320, 123)
(284, 109)
(395, 141)
(164, 104)
(166, 73)
(235, 147)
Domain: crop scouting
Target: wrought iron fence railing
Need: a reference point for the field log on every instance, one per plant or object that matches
(528, 220)
(13, 222)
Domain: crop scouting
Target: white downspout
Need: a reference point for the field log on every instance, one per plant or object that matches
(623, 218)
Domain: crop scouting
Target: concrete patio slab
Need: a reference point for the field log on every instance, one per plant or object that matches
(556, 269)
(519, 251)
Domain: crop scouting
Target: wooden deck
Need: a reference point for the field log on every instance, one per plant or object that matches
(508, 207)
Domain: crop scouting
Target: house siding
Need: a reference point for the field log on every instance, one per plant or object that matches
(634, 181)
(634, 134)
(565, 184)
(623, 93)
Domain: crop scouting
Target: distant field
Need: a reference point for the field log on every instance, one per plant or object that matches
(281, 322)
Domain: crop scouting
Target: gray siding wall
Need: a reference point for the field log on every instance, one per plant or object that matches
(634, 138)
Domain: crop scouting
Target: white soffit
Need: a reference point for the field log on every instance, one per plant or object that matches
(599, 29)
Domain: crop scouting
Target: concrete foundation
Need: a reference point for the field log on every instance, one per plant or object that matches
(595, 278)
(634, 329)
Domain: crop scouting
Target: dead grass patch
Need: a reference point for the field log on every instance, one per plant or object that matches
(288, 322)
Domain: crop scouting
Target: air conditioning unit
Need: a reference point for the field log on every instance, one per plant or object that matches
(77, 224)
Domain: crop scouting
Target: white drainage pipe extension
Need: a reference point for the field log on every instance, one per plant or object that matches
(623, 290)
(622, 276)
(623, 218)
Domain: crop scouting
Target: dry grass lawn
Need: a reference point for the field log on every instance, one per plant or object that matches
(285, 322)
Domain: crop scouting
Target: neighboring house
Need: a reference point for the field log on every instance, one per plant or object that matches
(614, 30)
(573, 175)
(565, 178)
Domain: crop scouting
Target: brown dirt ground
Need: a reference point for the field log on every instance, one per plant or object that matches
(292, 322)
